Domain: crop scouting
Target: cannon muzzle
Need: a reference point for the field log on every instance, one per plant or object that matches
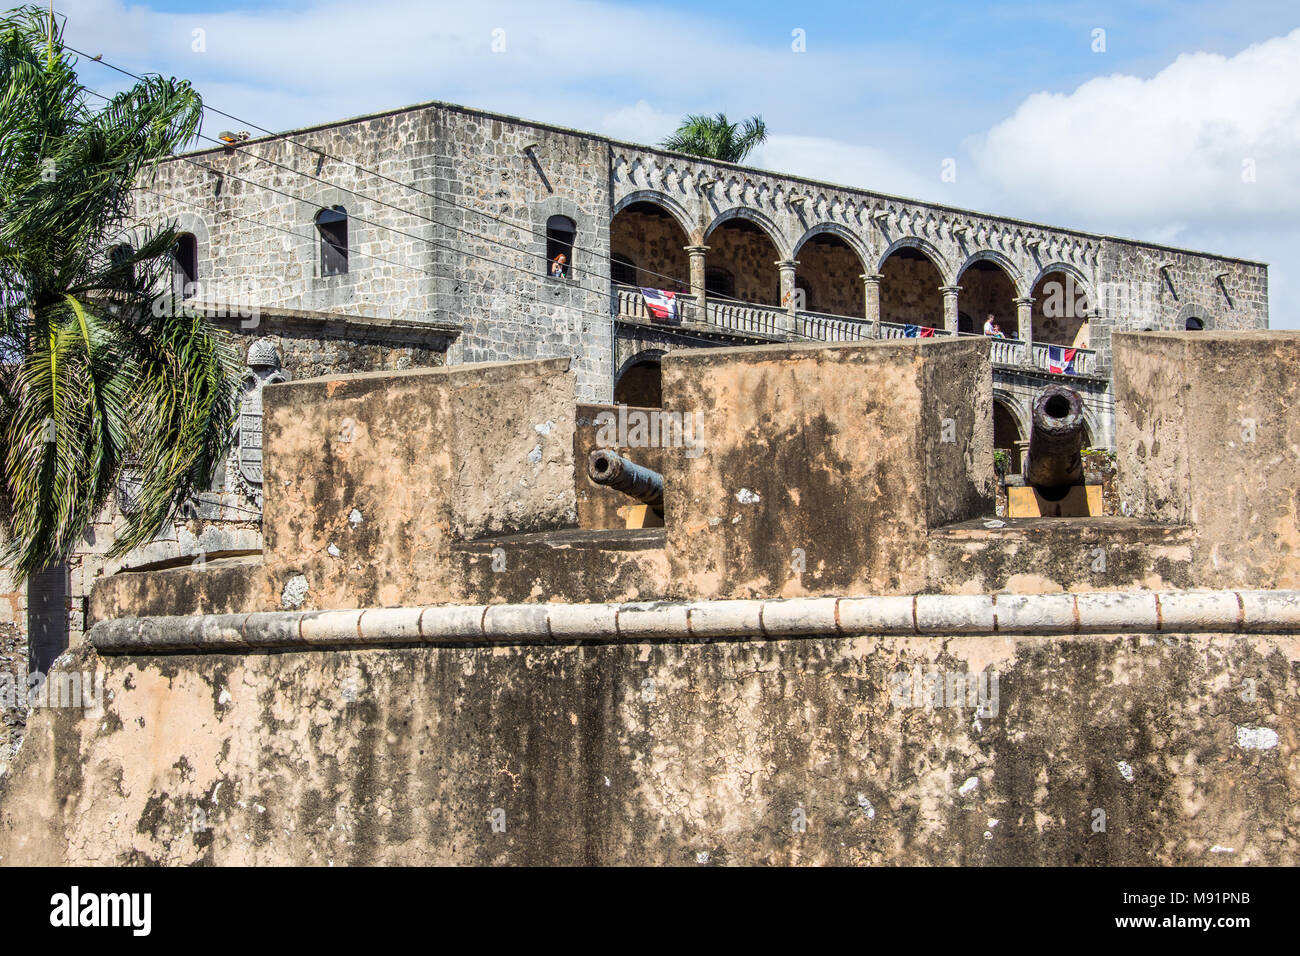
(614, 471)
(1055, 440)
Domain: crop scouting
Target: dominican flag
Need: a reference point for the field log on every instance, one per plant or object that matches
(1060, 359)
(662, 305)
(927, 331)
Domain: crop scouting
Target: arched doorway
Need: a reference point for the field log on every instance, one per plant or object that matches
(648, 247)
(909, 289)
(744, 249)
(987, 288)
(641, 383)
(1007, 434)
(1061, 310)
(829, 271)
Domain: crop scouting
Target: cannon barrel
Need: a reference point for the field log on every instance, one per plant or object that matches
(1055, 438)
(614, 471)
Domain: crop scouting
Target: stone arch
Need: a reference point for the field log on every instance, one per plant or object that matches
(1193, 311)
(1074, 272)
(989, 255)
(663, 200)
(639, 380)
(1057, 316)
(1009, 414)
(774, 232)
(929, 249)
(850, 238)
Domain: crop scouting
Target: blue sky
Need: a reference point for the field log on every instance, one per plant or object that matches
(1147, 137)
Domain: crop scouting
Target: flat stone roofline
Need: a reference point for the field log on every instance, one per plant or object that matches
(1096, 612)
(585, 134)
(333, 324)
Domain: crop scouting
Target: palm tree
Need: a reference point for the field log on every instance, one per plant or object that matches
(92, 378)
(714, 138)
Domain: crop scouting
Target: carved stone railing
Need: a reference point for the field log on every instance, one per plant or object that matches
(747, 318)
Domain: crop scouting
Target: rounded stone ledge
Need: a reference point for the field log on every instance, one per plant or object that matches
(1117, 611)
(724, 618)
(507, 622)
(583, 620)
(270, 629)
(1270, 610)
(800, 616)
(878, 615)
(397, 624)
(652, 620)
(1199, 611)
(452, 622)
(955, 613)
(1035, 613)
(219, 630)
(329, 627)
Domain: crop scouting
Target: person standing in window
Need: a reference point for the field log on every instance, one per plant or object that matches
(560, 267)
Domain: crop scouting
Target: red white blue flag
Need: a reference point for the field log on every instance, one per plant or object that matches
(1060, 359)
(660, 304)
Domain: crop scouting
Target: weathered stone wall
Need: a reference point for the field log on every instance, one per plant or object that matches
(1104, 750)
(13, 666)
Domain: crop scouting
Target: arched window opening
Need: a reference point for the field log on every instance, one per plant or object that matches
(1194, 324)
(1006, 436)
(720, 282)
(622, 269)
(332, 224)
(1061, 311)
(641, 384)
(909, 289)
(830, 275)
(986, 290)
(185, 261)
(119, 258)
(561, 231)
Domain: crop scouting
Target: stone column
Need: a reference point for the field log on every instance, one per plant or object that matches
(950, 307)
(787, 268)
(696, 254)
(871, 300)
(1025, 320)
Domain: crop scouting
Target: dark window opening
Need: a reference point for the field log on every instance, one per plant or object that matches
(560, 235)
(640, 385)
(332, 224)
(801, 285)
(1193, 324)
(622, 269)
(965, 323)
(186, 260)
(47, 617)
(119, 257)
(718, 281)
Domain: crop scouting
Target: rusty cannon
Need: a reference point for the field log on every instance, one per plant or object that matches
(637, 481)
(1056, 437)
(1052, 483)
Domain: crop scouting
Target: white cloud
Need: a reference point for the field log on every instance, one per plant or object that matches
(837, 162)
(1166, 151)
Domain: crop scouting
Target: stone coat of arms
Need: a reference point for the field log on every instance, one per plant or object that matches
(263, 369)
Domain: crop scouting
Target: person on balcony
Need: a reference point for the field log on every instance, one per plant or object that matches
(560, 266)
(991, 327)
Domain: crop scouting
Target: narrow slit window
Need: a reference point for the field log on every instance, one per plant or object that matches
(186, 258)
(332, 224)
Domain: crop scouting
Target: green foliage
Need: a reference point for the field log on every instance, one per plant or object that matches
(1001, 461)
(91, 378)
(714, 138)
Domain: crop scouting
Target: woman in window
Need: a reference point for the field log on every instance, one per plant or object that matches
(559, 266)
